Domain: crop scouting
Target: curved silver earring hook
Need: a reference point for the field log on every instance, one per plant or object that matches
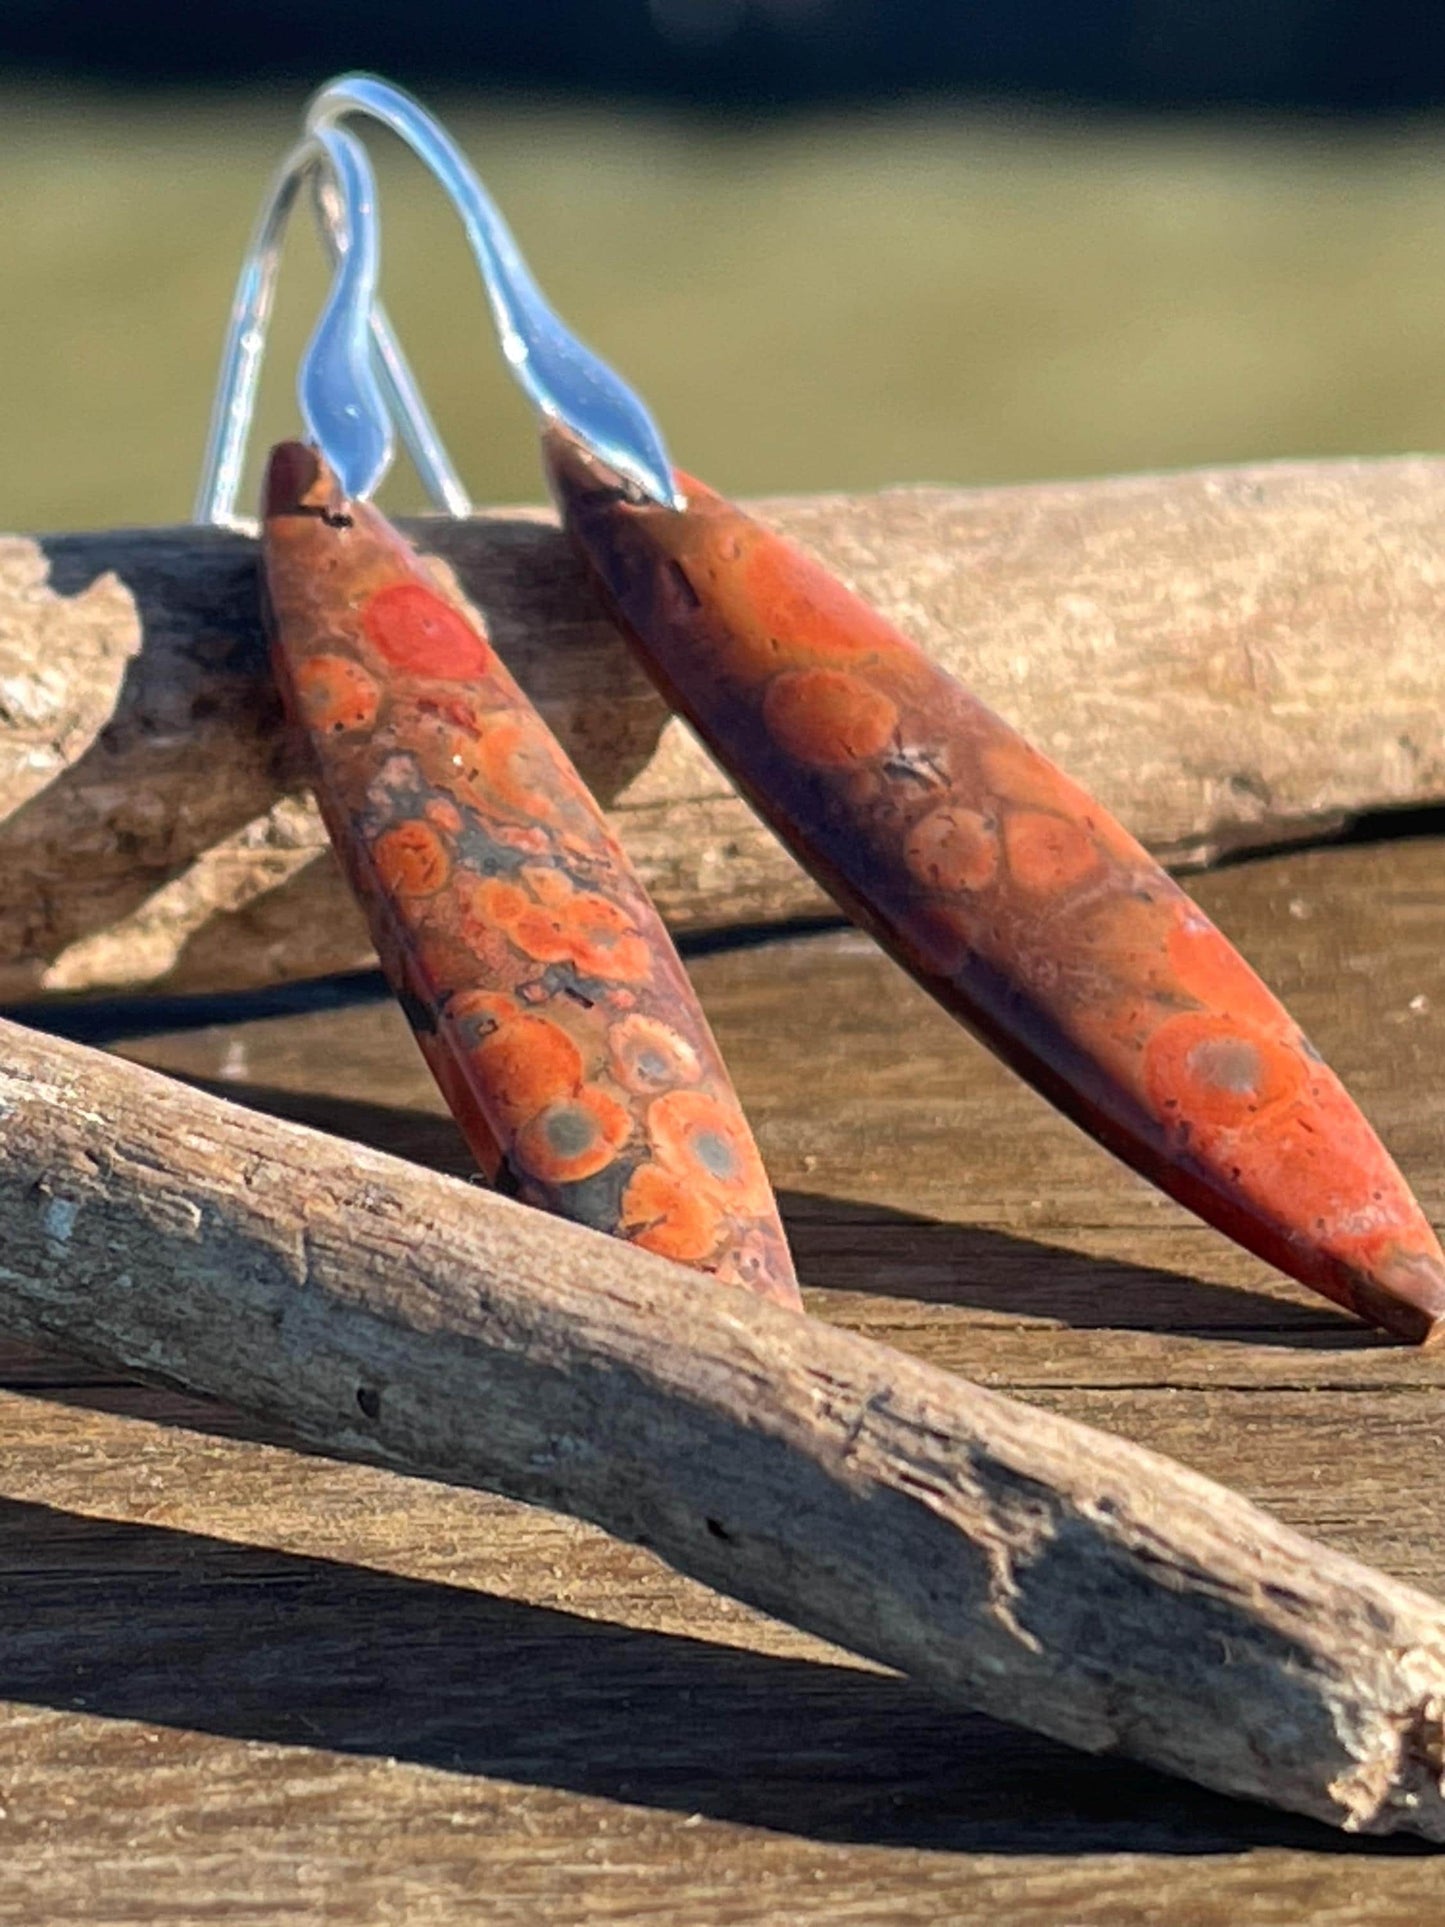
(563, 379)
(353, 376)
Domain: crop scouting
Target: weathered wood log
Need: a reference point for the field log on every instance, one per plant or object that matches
(1228, 659)
(1011, 1559)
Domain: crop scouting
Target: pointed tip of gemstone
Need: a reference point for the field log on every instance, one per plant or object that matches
(1406, 1295)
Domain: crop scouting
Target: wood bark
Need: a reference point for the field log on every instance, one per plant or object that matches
(1008, 1558)
(1229, 659)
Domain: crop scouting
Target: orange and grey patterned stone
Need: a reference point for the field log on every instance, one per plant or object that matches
(540, 983)
(1006, 890)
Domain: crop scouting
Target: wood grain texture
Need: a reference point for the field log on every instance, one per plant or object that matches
(1188, 647)
(239, 1683)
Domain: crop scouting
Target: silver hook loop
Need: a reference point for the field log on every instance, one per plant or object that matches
(564, 380)
(353, 376)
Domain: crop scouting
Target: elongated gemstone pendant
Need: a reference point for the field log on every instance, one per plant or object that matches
(1005, 889)
(540, 983)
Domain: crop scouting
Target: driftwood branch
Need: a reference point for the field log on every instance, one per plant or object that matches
(1228, 659)
(1012, 1560)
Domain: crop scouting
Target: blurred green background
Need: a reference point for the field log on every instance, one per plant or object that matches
(836, 299)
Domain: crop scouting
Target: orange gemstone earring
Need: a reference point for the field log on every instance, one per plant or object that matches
(1008, 892)
(539, 981)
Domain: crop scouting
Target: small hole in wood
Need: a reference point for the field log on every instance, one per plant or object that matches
(369, 1401)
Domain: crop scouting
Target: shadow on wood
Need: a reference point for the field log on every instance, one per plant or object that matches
(139, 1622)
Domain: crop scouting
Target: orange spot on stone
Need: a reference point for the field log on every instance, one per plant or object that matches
(527, 1063)
(1048, 853)
(573, 1138)
(499, 901)
(1018, 773)
(952, 849)
(648, 1057)
(605, 942)
(663, 1213)
(573, 926)
(422, 635)
(540, 933)
(828, 718)
(514, 759)
(335, 694)
(708, 1144)
(796, 600)
(410, 860)
(1219, 1077)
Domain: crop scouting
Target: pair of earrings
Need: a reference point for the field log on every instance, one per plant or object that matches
(542, 987)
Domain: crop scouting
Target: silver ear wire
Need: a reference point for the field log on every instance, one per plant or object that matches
(353, 376)
(564, 380)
